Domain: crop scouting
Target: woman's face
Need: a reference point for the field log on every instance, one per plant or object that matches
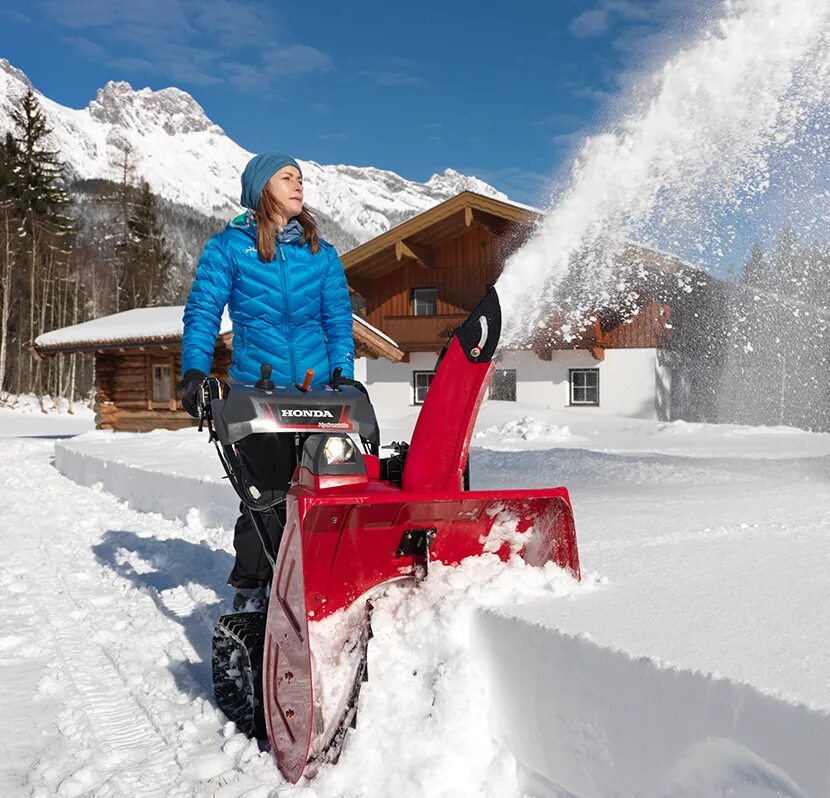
(287, 187)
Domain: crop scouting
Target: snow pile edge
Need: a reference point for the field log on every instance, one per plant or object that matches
(598, 722)
(148, 491)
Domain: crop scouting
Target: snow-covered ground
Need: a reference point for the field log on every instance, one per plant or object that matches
(24, 416)
(704, 552)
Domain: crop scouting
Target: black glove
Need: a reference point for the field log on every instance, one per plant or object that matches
(354, 383)
(191, 384)
(337, 379)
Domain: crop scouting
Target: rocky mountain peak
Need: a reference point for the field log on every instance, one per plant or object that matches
(172, 109)
(15, 73)
(452, 182)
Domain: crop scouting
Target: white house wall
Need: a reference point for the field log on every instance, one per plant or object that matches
(628, 381)
(631, 381)
(390, 384)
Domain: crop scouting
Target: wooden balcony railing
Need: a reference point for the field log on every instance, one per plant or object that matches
(421, 333)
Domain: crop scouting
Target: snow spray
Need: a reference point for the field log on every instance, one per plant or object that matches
(731, 130)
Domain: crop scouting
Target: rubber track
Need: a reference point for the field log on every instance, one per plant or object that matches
(240, 696)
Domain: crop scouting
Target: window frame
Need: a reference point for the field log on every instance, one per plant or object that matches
(414, 300)
(160, 383)
(415, 375)
(572, 402)
(515, 385)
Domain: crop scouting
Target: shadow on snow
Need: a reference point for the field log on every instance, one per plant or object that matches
(167, 564)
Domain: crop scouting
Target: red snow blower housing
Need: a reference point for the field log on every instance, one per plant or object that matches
(354, 522)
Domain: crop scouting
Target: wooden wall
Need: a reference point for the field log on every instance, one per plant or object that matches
(124, 388)
(462, 267)
(645, 330)
(649, 329)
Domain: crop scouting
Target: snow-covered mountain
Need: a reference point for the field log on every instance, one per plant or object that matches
(188, 159)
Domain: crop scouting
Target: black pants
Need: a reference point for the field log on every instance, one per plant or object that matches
(269, 461)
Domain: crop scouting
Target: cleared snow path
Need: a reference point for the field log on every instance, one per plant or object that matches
(104, 644)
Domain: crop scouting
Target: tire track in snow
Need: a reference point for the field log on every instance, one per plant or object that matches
(116, 718)
(117, 746)
(114, 609)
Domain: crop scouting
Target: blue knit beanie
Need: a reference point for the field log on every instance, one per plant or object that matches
(259, 171)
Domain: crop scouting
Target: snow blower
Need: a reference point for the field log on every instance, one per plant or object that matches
(354, 523)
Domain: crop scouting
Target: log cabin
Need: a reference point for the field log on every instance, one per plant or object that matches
(138, 362)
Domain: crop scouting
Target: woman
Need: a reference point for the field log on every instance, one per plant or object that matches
(288, 300)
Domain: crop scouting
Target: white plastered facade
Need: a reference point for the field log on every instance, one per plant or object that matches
(632, 382)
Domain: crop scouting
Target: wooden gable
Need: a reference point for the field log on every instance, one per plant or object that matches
(458, 248)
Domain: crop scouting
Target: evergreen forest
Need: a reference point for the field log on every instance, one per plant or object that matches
(74, 250)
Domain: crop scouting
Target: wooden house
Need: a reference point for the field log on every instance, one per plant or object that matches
(138, 363)
(420, 279)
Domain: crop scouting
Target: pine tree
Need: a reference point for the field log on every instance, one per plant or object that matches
(148, 257)
(814, 282)
(7, 163)
(34, 186)
(37, 181)
(785, 262)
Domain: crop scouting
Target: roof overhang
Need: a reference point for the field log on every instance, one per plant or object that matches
(44, 351)
(374, 342)
(412, 241)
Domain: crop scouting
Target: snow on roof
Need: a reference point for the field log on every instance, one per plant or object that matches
(140, 324)
(523, 206)
(375, 330)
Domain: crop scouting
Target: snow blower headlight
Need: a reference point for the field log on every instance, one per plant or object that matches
(332, 454)
(339, 451)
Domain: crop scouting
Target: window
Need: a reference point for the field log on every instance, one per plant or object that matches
(503, 385)
(421, 380)
(161, 383)
(424, 301)
(584, 386)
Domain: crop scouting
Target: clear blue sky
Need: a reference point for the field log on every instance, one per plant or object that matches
(502, 90)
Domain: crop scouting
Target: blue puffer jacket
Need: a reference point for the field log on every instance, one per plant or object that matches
(294, 313)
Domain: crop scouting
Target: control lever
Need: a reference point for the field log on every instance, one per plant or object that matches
(264, 382)
(335, 378)
(309, 376)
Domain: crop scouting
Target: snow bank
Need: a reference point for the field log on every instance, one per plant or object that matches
(515, 434)
(422, 725)
(153, 473)
(598, 722)
(25, 415)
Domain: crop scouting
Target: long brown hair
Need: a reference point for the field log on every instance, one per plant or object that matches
(268, 211)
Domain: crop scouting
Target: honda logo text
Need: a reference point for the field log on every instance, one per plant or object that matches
(305, 413)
